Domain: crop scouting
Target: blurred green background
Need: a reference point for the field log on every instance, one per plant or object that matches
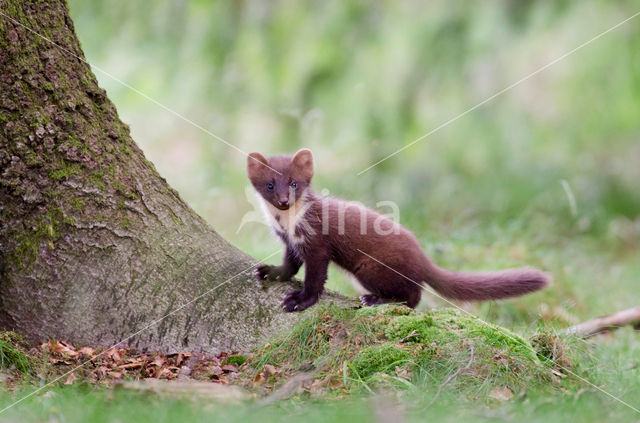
(546, 174)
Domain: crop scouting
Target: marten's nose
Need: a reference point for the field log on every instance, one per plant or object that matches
(283, 202)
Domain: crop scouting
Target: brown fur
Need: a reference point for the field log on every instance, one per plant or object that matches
(385, 258)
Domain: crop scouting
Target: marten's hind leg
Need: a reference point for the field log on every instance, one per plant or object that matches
(386, 286)
(374, 300)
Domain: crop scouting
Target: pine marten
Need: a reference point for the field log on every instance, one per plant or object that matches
(384, 257)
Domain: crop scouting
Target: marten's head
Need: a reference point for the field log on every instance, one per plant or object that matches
(281, 180)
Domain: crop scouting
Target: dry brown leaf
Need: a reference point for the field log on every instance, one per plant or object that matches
(113, 354)
(403, 373)
(133, 365)
(61, 347)
(158, 361)
(258, 379)
(179, 359)
(101, 371)
(54, 360)
(501, 393)
(335, 382)
(318, 385)
(87, 351)
(229, 368)
(215, 370)
(115, 375)
(70, 378)
(269, 370)
(165, 374)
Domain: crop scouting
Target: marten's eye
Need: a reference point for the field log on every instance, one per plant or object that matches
(294, 185)
(270, 186)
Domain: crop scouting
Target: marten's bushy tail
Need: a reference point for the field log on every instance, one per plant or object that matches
(487, 285)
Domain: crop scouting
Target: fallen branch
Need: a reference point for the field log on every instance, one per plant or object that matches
(453, 376)
(606, 323)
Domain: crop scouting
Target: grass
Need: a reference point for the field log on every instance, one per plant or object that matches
(373, 381)
(12, 355)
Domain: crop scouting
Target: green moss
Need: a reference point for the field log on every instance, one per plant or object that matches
(26, 252)
(380, 359)
(32, 159)
(375, 340)
(125, 223)
(412, 328)
(77, 144)
(120, 188)
(504, 339)
(66, 171)
(126, 150)
(45, 229)
(386, 310)
(234, 360)
(78, 203)
(97, 179)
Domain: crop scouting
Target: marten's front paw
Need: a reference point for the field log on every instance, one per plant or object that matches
(272, 273)
(262, 272)
(266, 272)
(297, 301)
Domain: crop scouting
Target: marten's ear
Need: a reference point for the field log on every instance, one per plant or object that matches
(255, 163)
(303, 160)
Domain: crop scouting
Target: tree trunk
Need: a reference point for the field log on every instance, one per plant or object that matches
(94, 245)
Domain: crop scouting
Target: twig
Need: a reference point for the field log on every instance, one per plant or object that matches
(606, 323)
(413, 334)
(453, 376)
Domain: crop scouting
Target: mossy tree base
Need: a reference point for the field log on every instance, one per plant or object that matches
(391, 345)
(94, 245)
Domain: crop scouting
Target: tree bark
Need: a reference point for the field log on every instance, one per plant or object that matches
(94, 245)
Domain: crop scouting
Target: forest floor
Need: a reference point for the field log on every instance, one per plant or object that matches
(385, 363)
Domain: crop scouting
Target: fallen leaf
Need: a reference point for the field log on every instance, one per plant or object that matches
(215, 370)
(133, 365)
(70, 378)
(166, 374)
(113, 354)
(403, 373)
(269, 370)
(179, 359)
(87, 351)
(158, 361)
(258, 379)
(101, 371)
(54, 360)
(61, 347)
(501, 393)
(116, 375)
(317, 386)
